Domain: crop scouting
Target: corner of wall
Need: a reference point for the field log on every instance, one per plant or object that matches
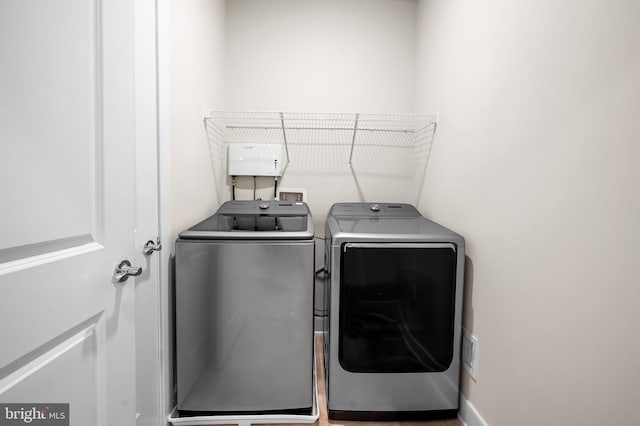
(468, 414)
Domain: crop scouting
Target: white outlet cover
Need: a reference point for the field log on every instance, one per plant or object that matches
(470, 353)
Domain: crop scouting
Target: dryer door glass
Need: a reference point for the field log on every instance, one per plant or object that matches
(397, 305)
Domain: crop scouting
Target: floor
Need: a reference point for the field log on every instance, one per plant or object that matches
(322, 402)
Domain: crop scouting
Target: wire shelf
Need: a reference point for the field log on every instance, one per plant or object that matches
(363, 145)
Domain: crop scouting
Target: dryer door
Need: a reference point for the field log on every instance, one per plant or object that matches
(397, 303)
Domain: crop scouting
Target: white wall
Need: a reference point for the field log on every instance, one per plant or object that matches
(315, 56)
(536, 164)
(196, 83)
(284, 55)
(321, 56)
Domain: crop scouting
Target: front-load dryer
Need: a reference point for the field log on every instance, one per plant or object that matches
(394, 295)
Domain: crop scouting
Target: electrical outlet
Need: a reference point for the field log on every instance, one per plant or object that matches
(292, 194)
(470, 353)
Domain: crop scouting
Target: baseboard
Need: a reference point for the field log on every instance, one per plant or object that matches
(468, 414)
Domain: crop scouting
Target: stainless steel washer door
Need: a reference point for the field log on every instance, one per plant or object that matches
(244, 325)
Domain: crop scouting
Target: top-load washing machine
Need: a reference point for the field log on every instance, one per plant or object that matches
(244, 311)
(394, 296)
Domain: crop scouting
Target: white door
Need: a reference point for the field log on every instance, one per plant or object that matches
(67, 207)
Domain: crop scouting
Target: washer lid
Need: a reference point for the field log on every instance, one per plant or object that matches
(249, 219)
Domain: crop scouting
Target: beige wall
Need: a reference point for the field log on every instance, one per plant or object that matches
(322, 56)
(284, 55)
(196, 83)
(536, 164)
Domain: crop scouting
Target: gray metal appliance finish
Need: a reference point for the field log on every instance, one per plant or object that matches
(394, 295)
(244, 310)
